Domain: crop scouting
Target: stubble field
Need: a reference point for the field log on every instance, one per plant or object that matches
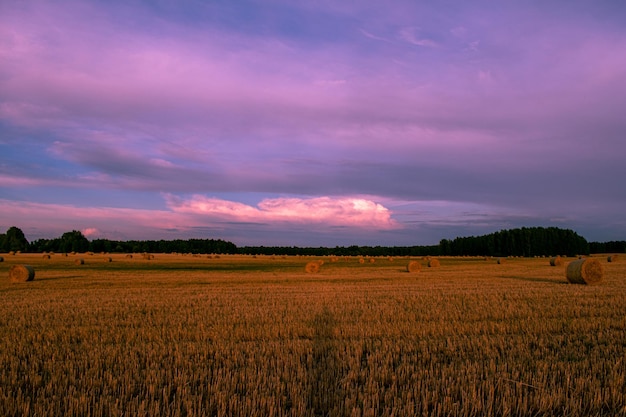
(242, 336)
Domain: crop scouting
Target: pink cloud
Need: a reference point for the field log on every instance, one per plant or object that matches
(345, 211)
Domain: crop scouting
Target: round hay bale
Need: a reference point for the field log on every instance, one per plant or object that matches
(501, 261)
(372, 260)
(79, 261)
(109, 259)
(21, 273)
(611, 258)
(12, 253)
(1, 259)
(585, 271)
(129, 256)
(390, 259)
(312, 267)
(556, 261)
(413, 266)
(46, 256)
(361, 260)
(433, 263)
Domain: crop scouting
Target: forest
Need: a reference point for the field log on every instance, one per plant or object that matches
(525, 242)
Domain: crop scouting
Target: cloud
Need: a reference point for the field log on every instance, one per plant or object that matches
(413, 36)
(324, 211)
(90, 232)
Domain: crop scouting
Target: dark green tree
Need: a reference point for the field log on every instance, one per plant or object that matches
(74, 241)
(13, 240)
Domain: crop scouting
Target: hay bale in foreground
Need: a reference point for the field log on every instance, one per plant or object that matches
(433, 263)
(556, 261)
(585, 271)
(611, 258)
(312, 267)
(79, 261)
(413, 266)
(21, 273)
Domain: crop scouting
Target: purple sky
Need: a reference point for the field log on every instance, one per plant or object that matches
(312, 123)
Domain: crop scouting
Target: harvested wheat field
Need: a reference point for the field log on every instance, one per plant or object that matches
(253, 336)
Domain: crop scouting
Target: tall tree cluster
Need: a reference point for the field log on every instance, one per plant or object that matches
(526, 241)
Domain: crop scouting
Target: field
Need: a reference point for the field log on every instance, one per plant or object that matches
(258, 336)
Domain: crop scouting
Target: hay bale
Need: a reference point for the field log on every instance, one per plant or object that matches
(433, 263)
(46, 256)
(372, 260)
(129, 256)
(312, 267)
(413, 266)
(501, 261)
(361, 260)
(147, 256)
(585, 271)
(611, 258)
(109, 259)
(556, 261)
(79, 261)
(21, 273)
(1, 259)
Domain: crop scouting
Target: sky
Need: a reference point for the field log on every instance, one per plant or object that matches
(312, 123)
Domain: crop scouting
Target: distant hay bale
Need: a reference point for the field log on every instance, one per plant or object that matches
(372, 260)
(556, 261)
(12, 252)
(501, 261)
(413, 266)
(433, 263)
(361, 260)
(312, 267)
(79, 261)
(21, 273)
(109, 259)
(585, 271)
(390, 258)
(611, 258)
(1, 259)
(147, 256)
(46, 256)
(129, 256)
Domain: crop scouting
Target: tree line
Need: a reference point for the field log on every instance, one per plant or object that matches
(75, 241)
(525, 241)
